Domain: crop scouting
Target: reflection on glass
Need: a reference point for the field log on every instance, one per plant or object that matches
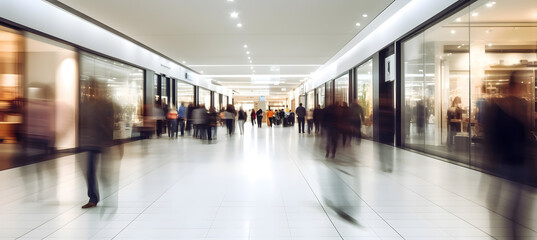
(311, 100)
(329, 93)
(320, 96)
(364, 93)
(342, 89)
(11, 92)
(122, 84)
(185, 93)
(205, 98)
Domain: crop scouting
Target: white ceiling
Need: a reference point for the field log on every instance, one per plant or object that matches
(285, 37)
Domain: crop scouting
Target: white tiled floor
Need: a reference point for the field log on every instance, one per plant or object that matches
(267, 184)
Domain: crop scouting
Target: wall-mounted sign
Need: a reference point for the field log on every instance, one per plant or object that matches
(389, 68)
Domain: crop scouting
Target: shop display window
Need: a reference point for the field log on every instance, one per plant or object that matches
(341, 90)
(364, 96)
(205, 98)
(453, 68)
(321, 96)
(118, 83)
(185, 93)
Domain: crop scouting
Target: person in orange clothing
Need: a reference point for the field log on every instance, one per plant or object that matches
(270, 117)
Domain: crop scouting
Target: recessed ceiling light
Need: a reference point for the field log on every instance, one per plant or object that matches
(249, 58)
(453, 31)
(247, 52)
(458, 19)
(490, 44)
(251, 67)
(245, 46)
(283, 89)
(250, 61)
(364, 15)
(358, 24)
(184, 62)
(234, 15)
(489, 4)
(475, 14)
(239, 25)
(493, 3)
(230, 0)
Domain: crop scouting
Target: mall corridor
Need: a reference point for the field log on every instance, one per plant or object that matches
(270, 183)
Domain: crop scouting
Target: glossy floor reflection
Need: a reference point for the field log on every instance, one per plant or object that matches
(267, 184)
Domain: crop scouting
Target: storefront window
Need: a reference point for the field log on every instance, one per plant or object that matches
(120, 84)
(311, 100)
(452, 69)
(185, 93)
(11, 91)
(329, 93)
(205, 98)
(320, 96)
(364, 95)
(342, 89)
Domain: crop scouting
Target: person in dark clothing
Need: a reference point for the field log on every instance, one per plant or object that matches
(301, 117)
(356, 115)
(259, 115)
(188, 127)
(181, 117)
(344, 123)
(317, 118)
(96, 134)
(507, 132)
(454, 116)
(329, 124)
(212, 124)
(421, 111)
(253, 116)
(241, 118)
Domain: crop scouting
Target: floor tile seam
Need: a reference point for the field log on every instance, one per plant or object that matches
(449, 191)
(458, 195)
(152, 203)
(315, 194)
(434, 203)
(70, 221)
(335, 172)
(216, 214)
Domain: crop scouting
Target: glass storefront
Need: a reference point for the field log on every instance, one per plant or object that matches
(205, 98)
(11, 84)
(321, 96)
(329, 93)
(185, 93)
(310, 100)
(454, 67)
(341, 90)
(118, 83)
(364, 95)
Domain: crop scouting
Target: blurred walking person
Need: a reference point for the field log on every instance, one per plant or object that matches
(507, 131)
(253, 117)
(259, 115)
(229, 116)
(241, 119)
(270, 117)
(329, 124)
(171, 118)
(301, 117)
(309, 119)
(96, 134)
(317, 118)
(181, 118)
(356, 115)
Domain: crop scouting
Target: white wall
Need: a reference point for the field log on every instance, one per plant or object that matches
(398, 19)
(47, 18)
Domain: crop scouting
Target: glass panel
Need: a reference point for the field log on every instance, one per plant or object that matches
(11, 91)
(436, 89)
(329, 87)
(205, 98)
(311, 100)
(116, 83)
(185, 93)
(320, 96)
(342, 90)
(503, 58)
(364, 93)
